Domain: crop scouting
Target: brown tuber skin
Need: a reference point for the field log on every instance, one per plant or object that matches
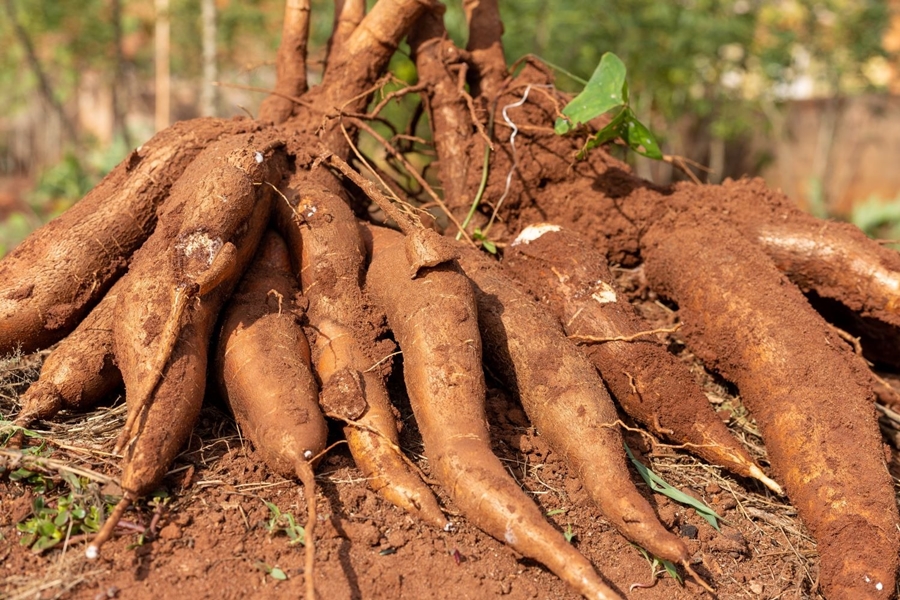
(80, 371)
(434, 320)
(214, 241)
(53, 278)
(324, 240)
(263, 364)
(812, 404)
(565, 400)
(649, 384)
(264, 372)
(714, 249)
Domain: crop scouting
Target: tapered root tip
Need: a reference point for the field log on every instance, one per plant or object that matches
(93, 549)
(307, 477)
(758, 474)
(697, 578)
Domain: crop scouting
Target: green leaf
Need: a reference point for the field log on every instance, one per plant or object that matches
(20, 474)
(486, 243)
(604, 91)
(556, 511)
(45, 543)
(568, 533)
(670, 569)
(640, 139)
(616, 128)
(278, 574)
(61, 518)
(655, 562)
(47, 529)
(657, 484)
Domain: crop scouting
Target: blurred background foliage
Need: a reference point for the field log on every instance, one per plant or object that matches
(742, 86)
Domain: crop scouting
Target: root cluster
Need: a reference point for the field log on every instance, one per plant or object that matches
(230, 253)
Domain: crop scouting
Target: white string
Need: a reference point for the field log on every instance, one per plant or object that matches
(512, 145)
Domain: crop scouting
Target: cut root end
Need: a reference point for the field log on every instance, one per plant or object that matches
(93, 549)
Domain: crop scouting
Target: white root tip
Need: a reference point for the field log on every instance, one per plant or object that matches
(449, 527)
(757, 473)
(533, 232)
(92, 552)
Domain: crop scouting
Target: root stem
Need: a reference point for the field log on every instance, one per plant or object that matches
(306, 476)
(93, 549)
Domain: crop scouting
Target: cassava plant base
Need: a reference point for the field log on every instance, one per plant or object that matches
(734, 259)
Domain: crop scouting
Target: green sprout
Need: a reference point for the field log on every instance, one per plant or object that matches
(607, 93)
(280, 522)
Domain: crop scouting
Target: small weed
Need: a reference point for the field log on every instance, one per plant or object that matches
(280, 522)
(655, 571)
(607, 93)
(487, 244)
(51, 523)
(273, 572)
(569, 533)
(658, 484)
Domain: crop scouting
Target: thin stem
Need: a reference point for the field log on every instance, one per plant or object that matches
(305, 474)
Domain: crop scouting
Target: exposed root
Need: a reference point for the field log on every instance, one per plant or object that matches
(623, 338)
(702, 582)
(306, 476)
(290, 63)
(706, 247)
(92, 552)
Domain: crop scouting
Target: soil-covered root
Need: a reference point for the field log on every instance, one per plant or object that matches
(650, 384)
(264, 367)
(433, 317)
(53, 278)
(813, 405)
(566, 401)
(326, 247)
(265, 373)
(851, 279)
(206, 237)
(80, 371)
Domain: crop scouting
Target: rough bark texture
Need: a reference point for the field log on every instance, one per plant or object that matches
(442, 369)
(53, 278)
(350, 361)
(81, 370)
(811, 404)
(207, 245)
(566, 401)
(648, 382)
(290, 63)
